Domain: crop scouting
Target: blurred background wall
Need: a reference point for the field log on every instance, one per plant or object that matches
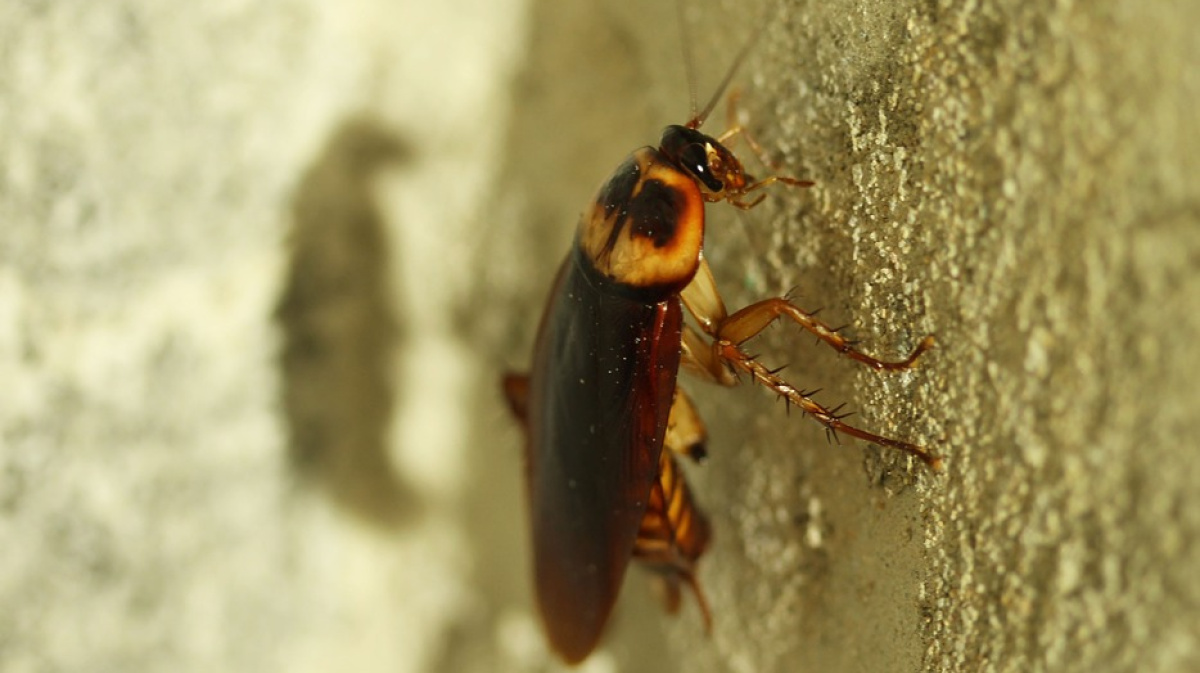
(262, 265)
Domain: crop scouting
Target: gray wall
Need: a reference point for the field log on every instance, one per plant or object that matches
(261, 267)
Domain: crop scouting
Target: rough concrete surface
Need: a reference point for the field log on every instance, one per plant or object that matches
(261, 267)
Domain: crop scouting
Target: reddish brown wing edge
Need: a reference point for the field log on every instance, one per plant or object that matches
(595, 411)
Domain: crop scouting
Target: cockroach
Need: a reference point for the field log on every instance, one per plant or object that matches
(601, 402)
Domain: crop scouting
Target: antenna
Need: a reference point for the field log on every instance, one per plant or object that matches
(697, 120)
(688, 60)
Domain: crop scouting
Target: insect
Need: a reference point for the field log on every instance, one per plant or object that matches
(603, 418)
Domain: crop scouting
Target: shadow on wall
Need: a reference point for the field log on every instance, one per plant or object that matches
(341, 329)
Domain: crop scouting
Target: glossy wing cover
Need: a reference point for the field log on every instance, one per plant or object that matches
(598, 400)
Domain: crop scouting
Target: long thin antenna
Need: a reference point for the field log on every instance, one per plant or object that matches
(688, 60)
(698, 119)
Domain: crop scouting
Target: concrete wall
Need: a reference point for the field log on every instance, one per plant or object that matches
(260, 268)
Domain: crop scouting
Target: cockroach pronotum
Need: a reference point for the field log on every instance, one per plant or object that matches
(600, 402)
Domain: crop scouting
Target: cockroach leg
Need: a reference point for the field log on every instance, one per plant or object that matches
(830, 418)
(702, 299)
(736, 128)
(743, 205)
(667, 585)
(674, 533)
(724, 353)
(701, 601)
(685, 431)
(733, 131)
(733, 126)
(516, 391)
(667, 589)
(765, 182)
(753, 319)
(671, 584)
(700, 358)
(704, 302)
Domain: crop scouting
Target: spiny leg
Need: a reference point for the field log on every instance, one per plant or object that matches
(754, 318)
(827, 417)
(701, 359)
(704, 302)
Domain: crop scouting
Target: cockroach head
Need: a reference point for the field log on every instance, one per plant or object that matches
(707, 161)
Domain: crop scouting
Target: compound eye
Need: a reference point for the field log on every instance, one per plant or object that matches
(694, 157)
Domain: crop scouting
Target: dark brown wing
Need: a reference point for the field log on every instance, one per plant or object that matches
(598, 400)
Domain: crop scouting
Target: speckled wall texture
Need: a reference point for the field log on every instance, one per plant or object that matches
(261, 266)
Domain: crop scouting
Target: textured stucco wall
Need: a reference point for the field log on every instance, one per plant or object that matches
(260, 268)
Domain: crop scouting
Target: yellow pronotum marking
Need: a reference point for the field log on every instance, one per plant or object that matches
(634, 259)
